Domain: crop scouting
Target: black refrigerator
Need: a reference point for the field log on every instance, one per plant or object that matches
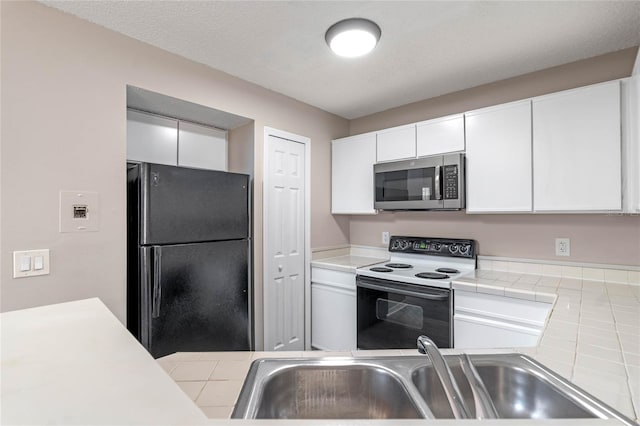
(188, 259)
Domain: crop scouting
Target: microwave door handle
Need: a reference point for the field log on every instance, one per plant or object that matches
(437, 183)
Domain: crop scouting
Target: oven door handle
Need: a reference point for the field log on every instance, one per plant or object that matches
(428, 296)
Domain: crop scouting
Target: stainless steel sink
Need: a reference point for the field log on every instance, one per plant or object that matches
(335, 392)
(407, 387)
(517, 391)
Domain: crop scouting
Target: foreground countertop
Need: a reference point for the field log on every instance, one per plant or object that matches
(75, 363)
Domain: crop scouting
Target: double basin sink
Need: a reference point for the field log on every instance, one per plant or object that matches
(408, 388)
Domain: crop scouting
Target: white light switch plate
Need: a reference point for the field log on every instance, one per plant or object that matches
(79, 211)
(37, 262)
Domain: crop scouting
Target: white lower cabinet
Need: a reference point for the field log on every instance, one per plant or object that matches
(487, 321)
(333, 310)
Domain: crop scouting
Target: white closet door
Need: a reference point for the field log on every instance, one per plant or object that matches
(284, 288)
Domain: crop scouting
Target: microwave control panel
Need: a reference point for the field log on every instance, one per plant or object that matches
(450, 181)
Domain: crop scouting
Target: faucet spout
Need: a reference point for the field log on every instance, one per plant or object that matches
(454, 396)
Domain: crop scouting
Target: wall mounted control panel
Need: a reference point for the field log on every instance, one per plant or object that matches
(451, 247)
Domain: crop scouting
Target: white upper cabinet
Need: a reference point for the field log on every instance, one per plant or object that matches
(498, 158)
(152, 139)
(202, 147)
(161, 140)
(631, 144)
(396, 143)
(440, 135)
(352, 185)
(576, 150)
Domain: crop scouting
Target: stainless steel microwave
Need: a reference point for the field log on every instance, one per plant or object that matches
(428, 183)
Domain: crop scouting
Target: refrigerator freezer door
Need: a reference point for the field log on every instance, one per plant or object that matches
(181, 205)
(198, 297)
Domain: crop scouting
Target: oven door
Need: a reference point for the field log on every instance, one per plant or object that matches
(391, 315)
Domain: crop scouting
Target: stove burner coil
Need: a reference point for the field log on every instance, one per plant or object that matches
(399, 265)
(432, 275)
(381, 269)
(447, 270)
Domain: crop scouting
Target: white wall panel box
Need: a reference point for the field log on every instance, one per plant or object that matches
(79, 211)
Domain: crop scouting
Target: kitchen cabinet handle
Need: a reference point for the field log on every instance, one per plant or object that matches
(280, 268)
(421, 295)
(157, 282)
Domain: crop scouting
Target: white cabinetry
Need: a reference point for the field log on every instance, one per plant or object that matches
(152, 139)
(352, 185)
(333, 309)
(202, 147)
(397, 143)
(440, 135)
(161, 140)
(488, 321)
(631, 144)
(498, 158)
(576, 150)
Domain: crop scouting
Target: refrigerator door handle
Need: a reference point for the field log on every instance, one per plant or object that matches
(157, 287)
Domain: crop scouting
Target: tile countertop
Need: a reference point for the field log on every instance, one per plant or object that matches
(347, 263)
(592, 335)
(591, 338)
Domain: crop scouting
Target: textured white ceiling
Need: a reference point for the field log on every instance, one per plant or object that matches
(427, 48)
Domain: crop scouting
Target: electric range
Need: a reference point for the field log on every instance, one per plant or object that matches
(410, 294)
(434, 262)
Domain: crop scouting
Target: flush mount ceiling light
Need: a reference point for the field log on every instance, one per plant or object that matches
(353, 37)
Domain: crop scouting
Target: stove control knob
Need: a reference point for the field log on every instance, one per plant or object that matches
(395, 244)
(453, 248)
(404, 244)
(464, 248)
(437, 246)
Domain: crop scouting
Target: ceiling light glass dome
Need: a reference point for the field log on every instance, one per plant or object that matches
(353, 37)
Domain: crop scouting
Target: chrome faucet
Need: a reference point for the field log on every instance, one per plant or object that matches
(459, 408)
(483, 404)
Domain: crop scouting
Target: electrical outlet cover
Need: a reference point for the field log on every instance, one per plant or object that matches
(563, 247)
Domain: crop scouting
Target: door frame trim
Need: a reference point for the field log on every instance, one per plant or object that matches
(269, 131)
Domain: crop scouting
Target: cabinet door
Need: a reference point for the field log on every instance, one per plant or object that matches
(440, 135)
(202, 147)
(152, 139)
(352, 186)
(631, 144)
(333, 309)
(397, 143)
(576, 150)
(498, 158)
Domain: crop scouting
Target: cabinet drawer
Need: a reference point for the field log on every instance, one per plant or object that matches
(509, 309)
(338, 279)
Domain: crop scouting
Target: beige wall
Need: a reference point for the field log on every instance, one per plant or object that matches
(594, 238)
(63, 128)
